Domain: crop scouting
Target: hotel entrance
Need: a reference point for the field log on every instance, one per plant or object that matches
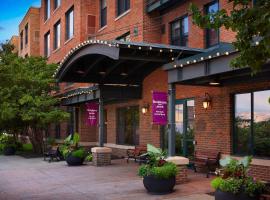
(184, 127)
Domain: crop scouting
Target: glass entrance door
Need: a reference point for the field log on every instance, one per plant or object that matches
(184, 125)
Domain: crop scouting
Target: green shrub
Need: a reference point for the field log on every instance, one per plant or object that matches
(80, 153)
(89, 158)
(215, 183)
(157, 166)
(231, 185)
(166, 171)
(27, 147)
(253, 188)
(234, 178)
(8, 141)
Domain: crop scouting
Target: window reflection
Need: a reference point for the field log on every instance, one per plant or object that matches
(261, 125)
(252, 127)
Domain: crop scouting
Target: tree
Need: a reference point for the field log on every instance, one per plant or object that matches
(26, 103)
(251, 22)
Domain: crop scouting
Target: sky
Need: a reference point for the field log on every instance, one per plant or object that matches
(11, 14)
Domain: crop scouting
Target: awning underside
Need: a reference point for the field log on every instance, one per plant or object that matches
(121, 63)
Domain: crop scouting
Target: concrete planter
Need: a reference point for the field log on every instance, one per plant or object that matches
(158, 186)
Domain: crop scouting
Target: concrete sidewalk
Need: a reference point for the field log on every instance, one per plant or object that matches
(25, 179)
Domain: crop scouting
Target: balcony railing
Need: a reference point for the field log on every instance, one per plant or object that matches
(160, 4)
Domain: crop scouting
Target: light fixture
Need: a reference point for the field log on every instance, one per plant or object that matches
(123, 74)
(214, 83)
(145, 108)
(102, 73)
(206, 101)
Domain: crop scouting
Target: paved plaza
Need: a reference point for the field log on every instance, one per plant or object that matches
(27, 179)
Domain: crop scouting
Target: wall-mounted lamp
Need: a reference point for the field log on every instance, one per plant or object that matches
(145, 108)
(206, 101)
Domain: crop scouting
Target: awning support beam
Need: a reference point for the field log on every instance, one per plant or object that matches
(101, 120)
(171, 135)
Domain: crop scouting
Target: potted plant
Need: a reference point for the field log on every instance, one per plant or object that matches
(8, 144)
(234, 183)
(158, 174)
(72, 152)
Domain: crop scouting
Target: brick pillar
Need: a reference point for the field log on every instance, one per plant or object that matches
(181, 176)
(101, 156)
(181, 162)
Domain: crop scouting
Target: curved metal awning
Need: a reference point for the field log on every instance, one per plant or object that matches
(117, 62)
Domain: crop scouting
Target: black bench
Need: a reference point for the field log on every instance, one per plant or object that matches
(208, 160)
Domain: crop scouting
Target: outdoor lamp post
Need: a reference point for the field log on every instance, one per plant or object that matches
(206, 101)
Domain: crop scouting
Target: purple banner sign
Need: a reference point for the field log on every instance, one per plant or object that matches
(92, 114)
(159, 108)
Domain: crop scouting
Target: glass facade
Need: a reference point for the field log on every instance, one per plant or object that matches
(184, 127)
(70, 24)
(57, 35)
(212, 35)
(128, 125)
(47, 45)
(122, 6)
(47, 10)
(252, 124)
(179, 32)
(103, 13)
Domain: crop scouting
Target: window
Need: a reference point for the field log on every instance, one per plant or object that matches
(252, 123)
(70, 23)
(26, 34)
(212, 35)
(21, 40)
(125, 37)
(122, 6)
(179, 32)
(57, 3)
(47, 10)
(47, 44)
(128, 125)
(57, 35)
(103, 13)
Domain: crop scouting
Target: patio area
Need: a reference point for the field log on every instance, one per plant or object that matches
(34, 178)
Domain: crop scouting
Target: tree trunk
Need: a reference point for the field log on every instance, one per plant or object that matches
(36, 138)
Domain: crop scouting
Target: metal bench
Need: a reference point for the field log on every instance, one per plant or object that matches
(136, 153)
(208, 160)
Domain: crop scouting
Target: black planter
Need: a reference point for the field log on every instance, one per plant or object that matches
(9, 151)
(158, 186)
(219, 195)
(74, 161)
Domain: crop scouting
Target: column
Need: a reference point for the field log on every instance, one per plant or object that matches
(101, 119)
(171, 135)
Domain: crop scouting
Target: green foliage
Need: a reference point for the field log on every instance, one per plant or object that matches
(80, 153)
(26, 103)
(249, 22)
(215, 183)
(8, 141)
(89, 157)
(156, 165)
(71, 146)
(166, 171)
(234, 179)
(27, 147)
(253, 188)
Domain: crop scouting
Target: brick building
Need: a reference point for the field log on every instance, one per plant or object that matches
(14, 40)
(29, 33)
(118, 52)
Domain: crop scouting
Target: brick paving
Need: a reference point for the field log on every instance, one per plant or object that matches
(22, 179)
